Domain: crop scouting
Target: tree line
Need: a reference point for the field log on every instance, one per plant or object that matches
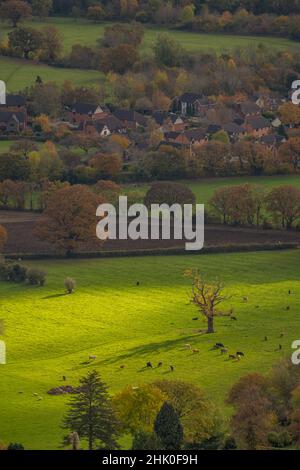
(249, 204)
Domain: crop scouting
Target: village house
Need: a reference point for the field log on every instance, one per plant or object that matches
(104, 127)
(169, 121)
(234, 131)
(191, 137)
(14, 103)
(248, 109)
(131, 119)
(257, 126)
(83, 112)
(192, 104)
(269, 101)
(12, 122)
(271, 141)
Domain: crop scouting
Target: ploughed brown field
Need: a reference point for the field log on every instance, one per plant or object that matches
(22, 239)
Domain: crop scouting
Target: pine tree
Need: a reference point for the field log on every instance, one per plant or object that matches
(168, 428)
(91, 415)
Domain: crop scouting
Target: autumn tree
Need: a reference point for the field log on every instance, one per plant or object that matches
(3, 237)
(14, 167)
(90, 414)
(201, 420)
(289, 114)
(52, 43)
(95, 13)
(46, 99)
(220, 202)
(70, 218)
(106, 166)
(167, 51)
(240, 204)
(15, 11)
(283, 203)
(169, 193)
(289, 152)
(25, 42)
(117, 34)
(137, 407)
(254, 416)
(117, 59)
(41, 8)
(207, 297)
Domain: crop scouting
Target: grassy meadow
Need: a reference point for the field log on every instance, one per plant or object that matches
(19, 74)
(50, 334)
(87, 33)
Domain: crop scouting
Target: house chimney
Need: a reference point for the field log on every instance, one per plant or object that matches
(2, 92)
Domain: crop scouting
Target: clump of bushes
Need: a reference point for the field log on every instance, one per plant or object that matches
(15, 272)
(15, 446)
(70, 285)
(36, 277)
(280, 439)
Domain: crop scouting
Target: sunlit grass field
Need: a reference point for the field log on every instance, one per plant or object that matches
(49, 334)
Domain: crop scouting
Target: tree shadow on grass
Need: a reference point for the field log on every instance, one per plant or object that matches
(148, 349)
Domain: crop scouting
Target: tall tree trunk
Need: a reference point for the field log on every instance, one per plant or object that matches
(210, 324)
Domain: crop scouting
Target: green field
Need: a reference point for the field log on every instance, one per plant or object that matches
(18, 74)
(49, 334)
(87, 33)
(5, 145)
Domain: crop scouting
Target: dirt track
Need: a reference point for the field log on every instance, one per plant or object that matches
(22, 239)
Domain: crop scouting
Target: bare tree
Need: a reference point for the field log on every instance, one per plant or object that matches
(207, 297)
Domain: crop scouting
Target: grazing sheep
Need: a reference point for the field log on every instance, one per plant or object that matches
(149, 365)
(224, 350)
(171, 368)
(92, 357)
(159, 364)
(188, 346)
(231, 356)
(195, 351)
(218, 346)
(240, 353)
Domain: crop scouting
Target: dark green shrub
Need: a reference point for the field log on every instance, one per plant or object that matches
(280, 439)
(15, 446)
(16, 273)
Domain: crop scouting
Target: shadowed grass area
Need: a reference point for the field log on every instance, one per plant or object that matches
(49, 334)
